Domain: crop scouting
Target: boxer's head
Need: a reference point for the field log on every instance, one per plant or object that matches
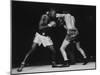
(66, 12)
(52, 13)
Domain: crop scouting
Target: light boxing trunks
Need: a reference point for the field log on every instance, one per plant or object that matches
(42, 39)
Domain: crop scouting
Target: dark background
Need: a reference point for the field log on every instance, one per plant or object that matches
(25, 19)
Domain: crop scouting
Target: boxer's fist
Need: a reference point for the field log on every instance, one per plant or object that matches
(52, 23)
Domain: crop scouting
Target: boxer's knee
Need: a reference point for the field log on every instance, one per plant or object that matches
(62, 48)
(34, 45)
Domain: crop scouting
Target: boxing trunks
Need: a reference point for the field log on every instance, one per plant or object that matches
(41, 39)
(72, 34)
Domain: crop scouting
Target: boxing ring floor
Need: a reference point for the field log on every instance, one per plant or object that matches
(48, 68)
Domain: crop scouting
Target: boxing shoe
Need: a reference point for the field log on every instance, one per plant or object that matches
(65, 64)
(20, 68)
(85, 61)
(54, 65)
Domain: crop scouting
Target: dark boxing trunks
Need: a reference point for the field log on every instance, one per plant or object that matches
(72, 35)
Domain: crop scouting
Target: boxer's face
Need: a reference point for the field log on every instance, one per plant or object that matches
(53, 13)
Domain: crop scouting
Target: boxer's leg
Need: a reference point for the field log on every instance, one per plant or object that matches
(80, 50)
(62, 49)
(37, 40)
(82, 53)
(26, 57)
(53, 56)
(53, 52)
(63, 52)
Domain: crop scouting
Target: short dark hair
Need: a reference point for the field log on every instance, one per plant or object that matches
(52, 9)
(65, 12)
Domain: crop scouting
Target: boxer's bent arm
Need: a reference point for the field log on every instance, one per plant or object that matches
(43, 22)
